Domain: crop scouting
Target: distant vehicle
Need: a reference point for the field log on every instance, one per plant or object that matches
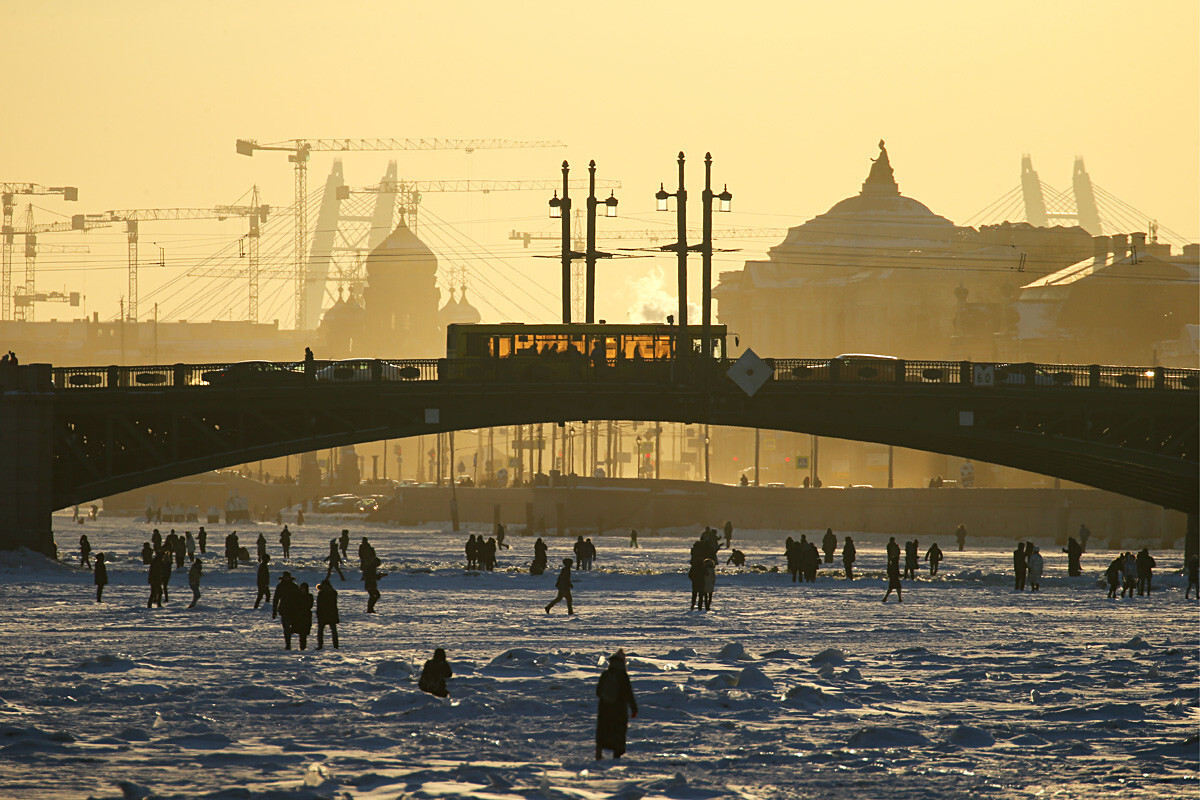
(255, 373)
(860, 486)
(853, 367)
(408, 482)
(338, 503)
(1015, 375)
(367, 504)
(775, 486)
(358, 370)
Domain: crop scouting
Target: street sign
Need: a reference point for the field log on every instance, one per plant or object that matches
(985, 375)
(750, 372)
(801, 462)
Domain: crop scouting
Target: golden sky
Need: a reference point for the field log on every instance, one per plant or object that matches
(139, 104)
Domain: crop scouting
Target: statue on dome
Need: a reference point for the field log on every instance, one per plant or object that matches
(881, 176)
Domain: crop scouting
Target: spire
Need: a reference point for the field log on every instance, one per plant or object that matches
(881, 180)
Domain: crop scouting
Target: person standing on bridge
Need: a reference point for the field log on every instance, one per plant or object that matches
(829, 544)
(1020, 565)
(563, 584)
(101, 576)
(849, 554)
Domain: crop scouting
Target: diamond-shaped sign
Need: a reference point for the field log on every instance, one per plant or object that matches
(750, 372)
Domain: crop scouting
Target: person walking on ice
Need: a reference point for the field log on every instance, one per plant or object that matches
(616, 704)
(100, 578)
(563, 584)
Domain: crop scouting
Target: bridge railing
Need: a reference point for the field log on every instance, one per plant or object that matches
(535, 369)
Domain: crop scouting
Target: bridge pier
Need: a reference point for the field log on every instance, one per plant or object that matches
(26, 458)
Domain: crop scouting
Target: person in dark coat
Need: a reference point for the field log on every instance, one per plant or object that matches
(335, 560)
(633, 542)
(302, 618)
(489, 553)
(960, 535)
(1145, 571)
(849, 554)
(471, 550)
(696, 578)
(366, 552)
(1073, 550)
(728, 529)
(264, 582)
(101, 576)
(231, 550)
(736, 557)
(262, 548)
(435, 674)
(893, 576)
(1193, 577)
(180, 551)
(615, 694)
(327, 614)
(147, 553)
(1020, 565)
(829, 544)
(563, 584)
(344, 542)
(285, 606)
(285, 541)
(793, 558)
(1113, 575)
(934, 556)
(156, 540)
(912, 559)
(197, 569)
(371, 576)
(893, 550)
(85, 552)
(202, 540)
(154, 578)
(539, 558)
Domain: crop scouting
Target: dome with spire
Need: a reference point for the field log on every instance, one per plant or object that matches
(458, 312)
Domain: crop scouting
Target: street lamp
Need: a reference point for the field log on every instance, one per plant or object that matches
(561, 208)
(705, 247)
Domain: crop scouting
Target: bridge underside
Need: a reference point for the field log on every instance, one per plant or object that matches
(112, 441)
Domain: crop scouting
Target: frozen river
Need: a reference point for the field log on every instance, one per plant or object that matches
(967, 689)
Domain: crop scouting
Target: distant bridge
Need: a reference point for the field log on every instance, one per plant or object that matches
(78, 433)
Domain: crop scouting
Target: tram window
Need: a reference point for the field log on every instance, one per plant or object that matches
(474, 346)
(502, 346)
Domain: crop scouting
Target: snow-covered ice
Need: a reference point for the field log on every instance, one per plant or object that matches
(782, 690)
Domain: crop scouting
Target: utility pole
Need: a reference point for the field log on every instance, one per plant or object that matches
(561, 208)
(756, 449)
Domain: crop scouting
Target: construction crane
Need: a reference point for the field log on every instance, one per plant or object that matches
(8, 192)
(133, 217)
(24, 298)
(298, 153)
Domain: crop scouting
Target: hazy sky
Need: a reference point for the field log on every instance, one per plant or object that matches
(139, 104)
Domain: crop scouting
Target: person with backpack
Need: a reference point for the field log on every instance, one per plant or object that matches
(615, 693)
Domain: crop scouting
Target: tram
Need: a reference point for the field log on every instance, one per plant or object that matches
(513, 349)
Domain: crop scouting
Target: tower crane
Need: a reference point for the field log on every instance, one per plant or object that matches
(23, 300)
(8, 192)
(133, 217)
(298, 153)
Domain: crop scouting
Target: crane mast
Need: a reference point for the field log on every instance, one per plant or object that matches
(8, 192)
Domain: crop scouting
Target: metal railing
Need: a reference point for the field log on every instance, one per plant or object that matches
(982, 375)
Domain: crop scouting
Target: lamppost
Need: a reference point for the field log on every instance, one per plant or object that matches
(561, 207)
(705, 247)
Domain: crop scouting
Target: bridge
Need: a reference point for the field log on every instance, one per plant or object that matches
(73, 434)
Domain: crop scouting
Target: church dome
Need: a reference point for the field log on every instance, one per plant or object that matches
(401, 248)
(467, 313)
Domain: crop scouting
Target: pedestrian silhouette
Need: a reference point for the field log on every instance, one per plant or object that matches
(1193, 577)
(100, 578)
(285, 542)
(633, 542)
(893, 576)
(849, 554)
(335, 560)
(934, 556)
(960, 535)
(1020, 567)
(264, 583)
(302, 621)
(1036, 564)
(829, 544)
(1073, 550)
(563, 584)
(616, 703)
(197, 569)
(85, 552)
(327, 614)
